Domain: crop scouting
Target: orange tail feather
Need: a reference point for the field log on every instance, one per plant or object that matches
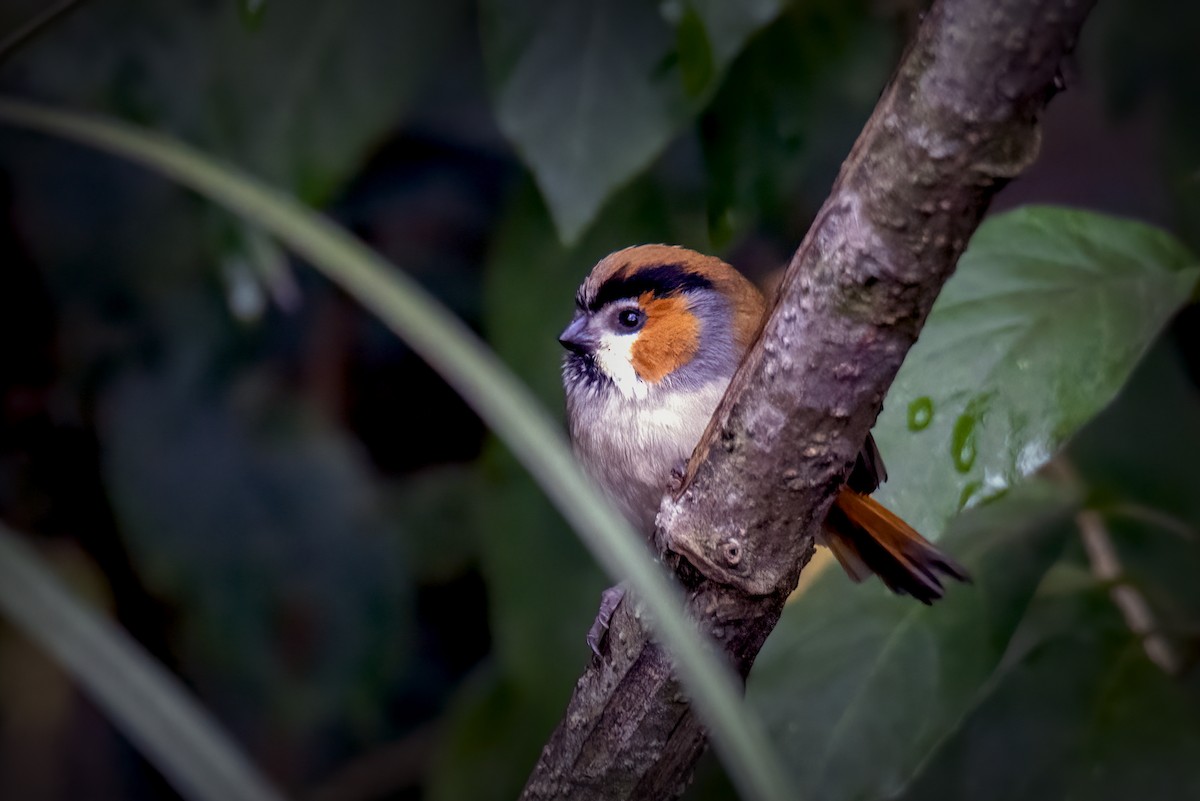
(867, 538)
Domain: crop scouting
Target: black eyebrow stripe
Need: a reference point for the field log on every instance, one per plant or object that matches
(661, 280)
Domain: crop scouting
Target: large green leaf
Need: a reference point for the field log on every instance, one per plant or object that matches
(259, 520)
(1087, 715)
(1082, 714)
(858, 686)
(788, 112)
(590, 92)
(297, 98)
(485, 748)
(1144, 54)
(1047, 315)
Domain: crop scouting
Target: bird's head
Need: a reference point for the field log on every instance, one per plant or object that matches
(656, 317)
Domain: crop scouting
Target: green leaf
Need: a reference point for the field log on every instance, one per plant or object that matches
(1083, 714)
(251, 12)
(789, 111)
(152, 707)
(259, 519)
(475, 373)
(488, 739)
(1078, 711)
(728, 25)
(695, 52)
(441, 533)
(858, 686)
(1144, 55)
(581, 90)
(1047, 315)
(298, 100)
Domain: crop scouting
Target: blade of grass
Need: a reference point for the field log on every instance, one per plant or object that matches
(486, 384)
(154, 709)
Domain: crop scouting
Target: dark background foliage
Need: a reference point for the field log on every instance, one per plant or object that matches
(290, 510)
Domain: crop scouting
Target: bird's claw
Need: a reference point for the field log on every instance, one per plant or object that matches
(678, 476)
(610, 599)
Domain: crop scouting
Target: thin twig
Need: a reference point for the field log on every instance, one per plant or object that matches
(1154, 517)
(1106, 566)
(24, 34)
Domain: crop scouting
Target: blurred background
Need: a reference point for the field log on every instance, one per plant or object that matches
(285, 506)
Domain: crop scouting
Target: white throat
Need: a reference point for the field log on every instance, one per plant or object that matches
(614, 356)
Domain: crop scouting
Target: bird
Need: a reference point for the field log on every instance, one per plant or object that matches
(656, 336)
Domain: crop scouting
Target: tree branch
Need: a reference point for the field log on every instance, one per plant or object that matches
(959, 119)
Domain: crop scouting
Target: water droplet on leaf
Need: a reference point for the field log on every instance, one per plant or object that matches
(967, 492)
(920, 414)
(962, 442)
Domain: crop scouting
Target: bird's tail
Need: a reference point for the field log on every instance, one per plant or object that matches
(867, 538)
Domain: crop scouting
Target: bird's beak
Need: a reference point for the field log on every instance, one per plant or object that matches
(576, 338)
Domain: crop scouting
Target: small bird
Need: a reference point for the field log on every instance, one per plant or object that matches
(657, 334)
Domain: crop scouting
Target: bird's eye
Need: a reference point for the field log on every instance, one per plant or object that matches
(630, 319)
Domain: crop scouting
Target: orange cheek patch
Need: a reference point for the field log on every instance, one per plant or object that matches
(669, 340)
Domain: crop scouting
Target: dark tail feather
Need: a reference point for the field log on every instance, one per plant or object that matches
(866, 538)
